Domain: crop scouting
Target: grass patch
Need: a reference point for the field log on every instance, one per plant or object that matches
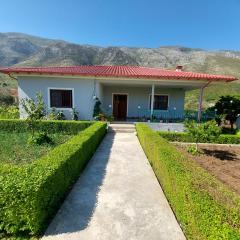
(15, 149)
(30, 194)
(205, 208)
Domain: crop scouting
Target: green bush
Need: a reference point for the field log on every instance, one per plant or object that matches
(176, 136)
(9, 112)
(228, 139)
(205, 208)
(40, 138)
(53, 126)
(6, 99)
(31, 194)
(184, 137)
(204, 132)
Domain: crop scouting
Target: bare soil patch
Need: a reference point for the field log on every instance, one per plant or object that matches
(221, 161)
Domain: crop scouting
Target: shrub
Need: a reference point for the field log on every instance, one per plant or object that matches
(192, 150)
(53, 126)
(229, 108)
(228, 139)
(226, 130)
(203, 132)
(9, 112)
(184, 137)
(205, 208)
(61, 115)
(34, 110)
(31, 194)
(6, 99)
(52, 115)
(176, 136)
(40, 138)
(74, 114)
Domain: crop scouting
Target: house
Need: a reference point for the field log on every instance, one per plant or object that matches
(124, 91)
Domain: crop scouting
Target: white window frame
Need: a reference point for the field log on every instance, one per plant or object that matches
(59, 88)
(159, 94)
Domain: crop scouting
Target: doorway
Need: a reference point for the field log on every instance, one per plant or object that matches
(120, 106)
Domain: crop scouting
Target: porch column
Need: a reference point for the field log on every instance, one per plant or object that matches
(200, 104)
(200, 101)
(152, 99)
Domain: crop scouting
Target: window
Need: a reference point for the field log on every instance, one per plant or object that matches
(61, 98)
(160, 102)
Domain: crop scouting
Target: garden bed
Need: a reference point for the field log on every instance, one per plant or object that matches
(30, 194)
(16, 150)
(221, 161)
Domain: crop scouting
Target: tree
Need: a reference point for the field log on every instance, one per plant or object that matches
(202, 132)
(34, 110)
(97, 109)
(229, 107)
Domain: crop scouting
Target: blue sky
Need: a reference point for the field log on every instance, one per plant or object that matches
(208, 24)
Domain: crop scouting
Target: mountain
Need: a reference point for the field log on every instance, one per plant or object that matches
(18, 49)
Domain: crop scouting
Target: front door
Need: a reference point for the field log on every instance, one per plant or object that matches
(120, 106)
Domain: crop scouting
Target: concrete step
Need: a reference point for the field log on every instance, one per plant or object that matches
(126, 128)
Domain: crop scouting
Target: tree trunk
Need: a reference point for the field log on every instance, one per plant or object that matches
(197, 146)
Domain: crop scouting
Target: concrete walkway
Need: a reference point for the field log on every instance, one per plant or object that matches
(116, 198)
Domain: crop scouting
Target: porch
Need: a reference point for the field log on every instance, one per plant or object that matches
(159, 101)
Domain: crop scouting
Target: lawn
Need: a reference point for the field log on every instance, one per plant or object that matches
(14, 148)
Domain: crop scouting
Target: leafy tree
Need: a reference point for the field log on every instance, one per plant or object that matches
(228, 107)
(208, 131)
(34, 110)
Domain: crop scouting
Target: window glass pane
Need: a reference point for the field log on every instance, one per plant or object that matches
(160, 102)
(60, 98)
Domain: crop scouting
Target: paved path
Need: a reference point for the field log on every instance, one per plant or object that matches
(116, 198)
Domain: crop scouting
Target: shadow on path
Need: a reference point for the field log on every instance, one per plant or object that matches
(78, 208)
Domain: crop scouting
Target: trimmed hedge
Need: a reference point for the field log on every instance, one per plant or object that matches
(31, 194)
(184, 137)
(17, 125)
(205, 208)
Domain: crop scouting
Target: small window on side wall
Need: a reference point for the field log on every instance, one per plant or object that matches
(61, 98)
(160, 102)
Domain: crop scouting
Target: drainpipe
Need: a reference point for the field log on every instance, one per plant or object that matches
(200, 101)
(152, 100)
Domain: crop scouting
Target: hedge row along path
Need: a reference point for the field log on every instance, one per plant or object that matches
(117, 197)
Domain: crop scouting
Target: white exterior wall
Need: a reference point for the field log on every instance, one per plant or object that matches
(99, 91)
(140, 96)
(83, 91)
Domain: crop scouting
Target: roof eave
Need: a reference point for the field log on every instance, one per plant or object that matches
(26, 73)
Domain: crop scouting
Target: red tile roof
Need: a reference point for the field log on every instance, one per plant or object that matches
(118, 71)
